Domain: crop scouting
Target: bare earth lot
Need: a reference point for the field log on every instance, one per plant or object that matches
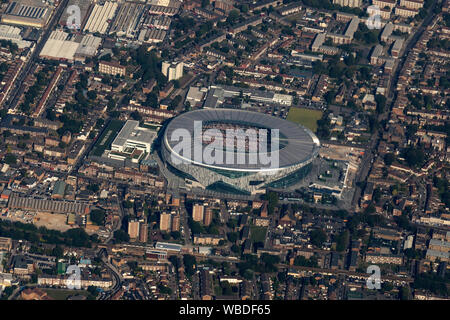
(51, 221)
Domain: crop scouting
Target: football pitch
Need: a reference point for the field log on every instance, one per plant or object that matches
(305, 117)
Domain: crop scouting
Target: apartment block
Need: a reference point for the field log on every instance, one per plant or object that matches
(111, 68)
(172, 71)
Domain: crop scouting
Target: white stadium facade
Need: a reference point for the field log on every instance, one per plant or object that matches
(297, 147)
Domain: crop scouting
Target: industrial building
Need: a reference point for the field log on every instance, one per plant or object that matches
(164, 7)
(196, 95)
(127, 21)
(158, 22)
(46, 205)
(217, 95)
(27, 13)
(100, 16)
(13, 34)
(152, 35)
(71, 47)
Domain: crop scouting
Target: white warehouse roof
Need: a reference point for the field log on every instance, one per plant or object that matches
(98, 19)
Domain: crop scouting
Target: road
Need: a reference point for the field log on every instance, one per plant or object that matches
(117, 277)
(347, 272)
(369, 155)
(18, 88)
(186, 229)
(410, 44)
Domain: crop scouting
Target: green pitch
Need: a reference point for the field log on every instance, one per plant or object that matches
(305, 117)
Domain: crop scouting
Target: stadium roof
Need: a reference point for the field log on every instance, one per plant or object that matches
(297, 143)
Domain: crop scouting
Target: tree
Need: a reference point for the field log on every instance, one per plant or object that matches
(318, 237)
(10, 159)
(342, 241)
(303, 262)
(381, 103)
(443, 189)
(404, 293)
(93, 187)
(151, 100)
(329, 96)
(272, 198)
(92, 95)
(164, 290)
(136, 116)
(373, 123)
(175, 261)
(319, 67)
(92, 290)
(414, 156)
(58, 252)
(189, 262)
(232, 16)
(389, 158)
(99, 123)
(175, 234)
(248, 274)
(98, 217)
(175, 102)
(432, 282)
(232, 236)
(387, 286)
(77, 237)
(323, 127)
(195, 226)
(376, 196)
(121, 236)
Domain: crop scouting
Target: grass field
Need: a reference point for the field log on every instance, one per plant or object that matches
(258, 234)
(305, 117)
(105, 140)
(63, 294)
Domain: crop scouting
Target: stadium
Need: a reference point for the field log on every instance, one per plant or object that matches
(296, 148)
